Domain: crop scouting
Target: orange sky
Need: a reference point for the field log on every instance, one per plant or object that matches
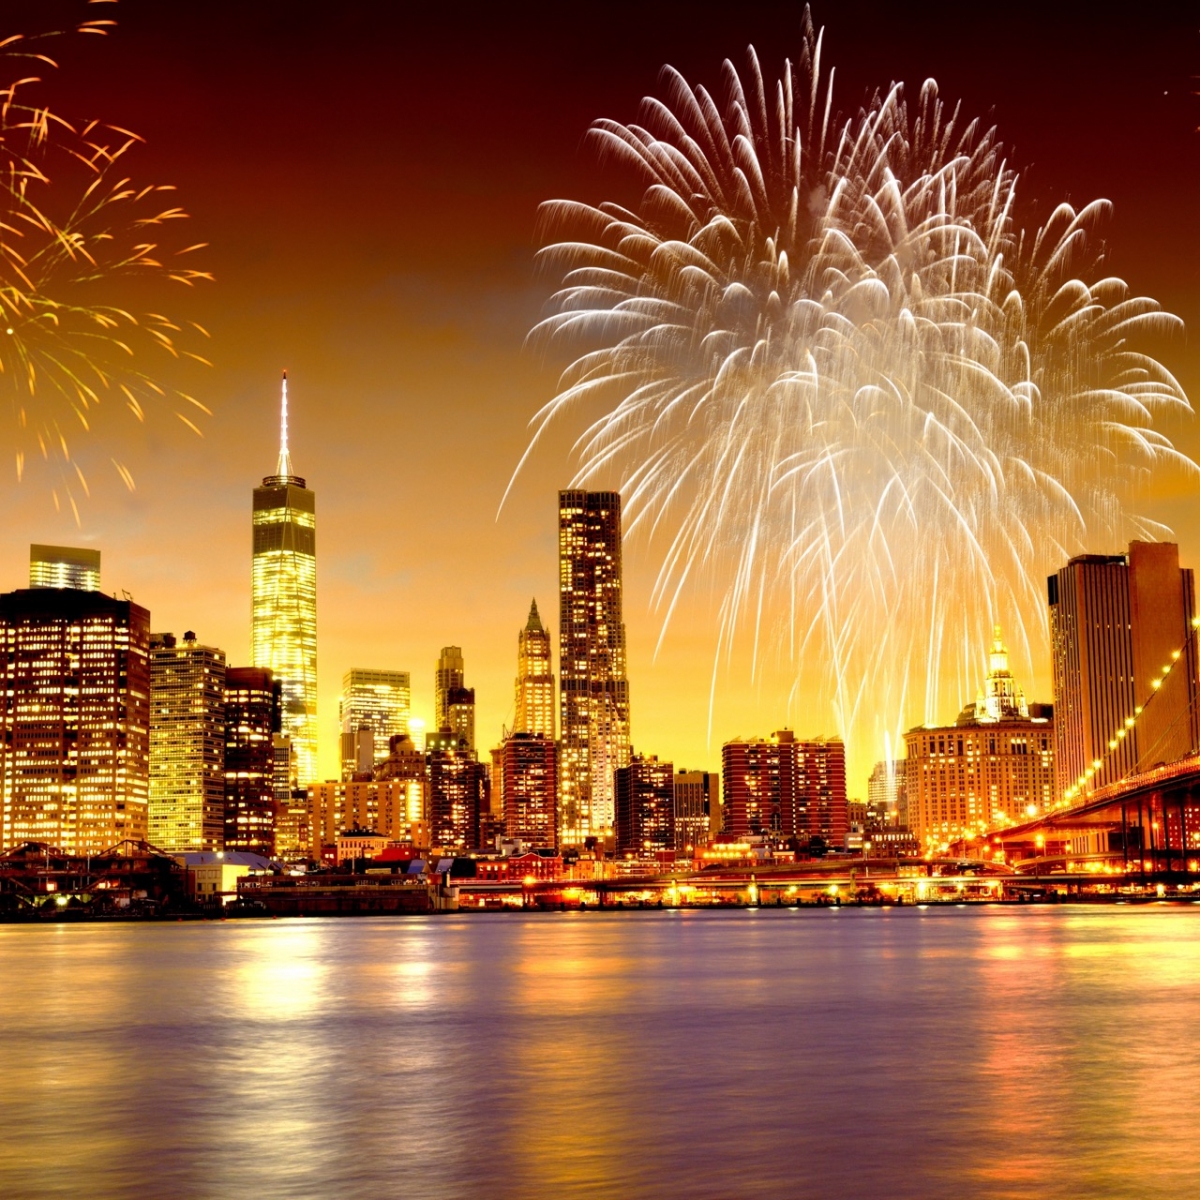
(369, 182)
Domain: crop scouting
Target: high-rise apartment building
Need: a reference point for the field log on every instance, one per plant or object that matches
(697, 795)
(375, 703)
(458, 792)
(404, 768)
(994, 766)
(252, 702)
(284, 624)
(785, 787)
(1117, 623)
(64, 567)
(645, 806)
(528, 778)
(593, 689)
(187, 744)
(535, 699)
(448, 677)
(74, 719)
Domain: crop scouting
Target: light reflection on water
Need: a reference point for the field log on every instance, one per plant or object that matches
(961, 1052)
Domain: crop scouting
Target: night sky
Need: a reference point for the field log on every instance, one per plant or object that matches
(368, 176)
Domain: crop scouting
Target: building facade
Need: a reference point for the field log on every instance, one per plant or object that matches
(458, 794)
(697, 795)
(64, 567)
(645, 807)
(187, 744)
(252, 722)
(593, 688)
(375, 703)
(785, 788)
(382, 807)
(448, 676)
(528, 778)
(1116, 621)
(535, 699)
(993, 767)
(284, 616)
(74, 719)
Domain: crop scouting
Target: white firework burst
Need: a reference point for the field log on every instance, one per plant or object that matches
(850, 390)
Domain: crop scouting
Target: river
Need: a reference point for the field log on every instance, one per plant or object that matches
(721, 1055)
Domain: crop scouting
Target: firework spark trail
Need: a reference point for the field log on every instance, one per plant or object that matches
(846, 386)
(71, 223)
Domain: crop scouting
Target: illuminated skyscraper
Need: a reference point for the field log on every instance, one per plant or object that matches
(74, 719)
(285, 600)
(528, 781)
(187, 744)
(449, 675)
(460, 714)
(373, 702)
(251, 725)
(594, 693)
(64, 567)
(535, 679)
(1116, 621)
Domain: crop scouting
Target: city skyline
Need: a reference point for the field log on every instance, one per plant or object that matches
(353, 398)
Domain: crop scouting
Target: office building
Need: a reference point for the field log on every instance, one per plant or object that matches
(785, 788)
(380, 807)
(64, 567)
(74, 719)
(593, 689)
(252, 716)
(374, 708)
(1124, 658)
(528, 779)
(405, 768)
(458, 792)
(535, 699)
(293, 838)
(886, 791)
(448, 677)
(697, 795)
(284, 581)
(993, 767)
(460, 715)
(187, 744)
(645, 807)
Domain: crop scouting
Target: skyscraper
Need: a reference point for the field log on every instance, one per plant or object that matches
(528, 779)
(64, 567)
(251, 724)
(285, 599)
(376, 702)
(447, 677)
(187, 744)
(1116, 621)
(460, 715)
(535, 679)
(74, 719)
(457, 792)
(594, 692)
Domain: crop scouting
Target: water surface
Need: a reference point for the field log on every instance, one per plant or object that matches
(991, 1052)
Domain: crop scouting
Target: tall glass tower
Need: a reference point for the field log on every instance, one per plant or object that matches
(285, 600)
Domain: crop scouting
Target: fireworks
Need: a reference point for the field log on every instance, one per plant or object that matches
(71, 225)
(829, 368)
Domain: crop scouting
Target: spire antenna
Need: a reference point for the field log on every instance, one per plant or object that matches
(285, 458)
